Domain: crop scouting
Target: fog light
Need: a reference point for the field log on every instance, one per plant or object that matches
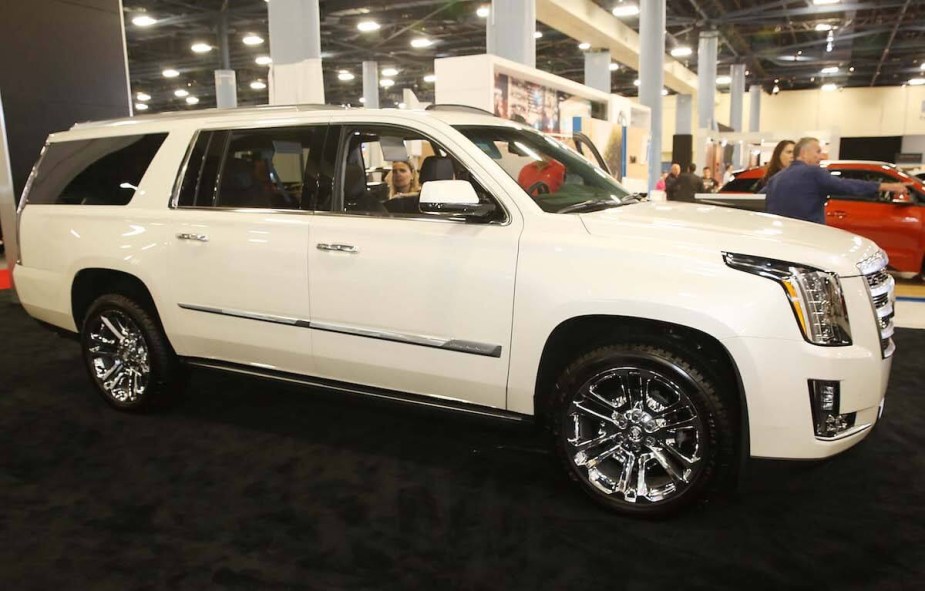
(824, 396)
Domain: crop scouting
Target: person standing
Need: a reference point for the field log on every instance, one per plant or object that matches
(709, 183)
(728, 176)
(780, 159)
(672, 179)
(687, 185)
(800, 191)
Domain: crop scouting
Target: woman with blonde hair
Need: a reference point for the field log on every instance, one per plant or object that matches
(403, 179)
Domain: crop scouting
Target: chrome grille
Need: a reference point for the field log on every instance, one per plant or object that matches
(881, 286)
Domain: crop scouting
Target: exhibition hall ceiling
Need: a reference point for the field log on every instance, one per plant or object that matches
(784, 44)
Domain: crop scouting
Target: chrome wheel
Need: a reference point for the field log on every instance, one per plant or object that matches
(118, 356)
(635, 435)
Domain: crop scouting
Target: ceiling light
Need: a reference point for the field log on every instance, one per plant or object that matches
(636, 82)
(625, 9)
(263, 60)
(822, 27)
(368, 26)
(829, 87)
(421, 42)
(430, 78)
(483, 11)
(180, 93)
(682, 51)
(170, 73)
(916, 81)
(922, 67)
(386, 82)
(201, 48)
(144, 21)
(664, 92)
(192, 100)
(824, 2)
(252, 39)
(830, 70)
(345, 76)
(614, 67)
(362, 99)
(584, 46)
(143, 96)
(851, 69)
(402, 105)
(388, 72)
(723, 80)
(775, 90)
(141, 107)
(537, 34)
(258, 85)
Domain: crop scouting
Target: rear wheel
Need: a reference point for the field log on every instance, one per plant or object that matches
(128, 356)
(641, 429)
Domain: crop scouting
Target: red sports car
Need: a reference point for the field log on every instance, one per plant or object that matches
(897, 223)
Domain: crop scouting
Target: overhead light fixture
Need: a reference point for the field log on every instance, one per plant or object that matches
(192, 100)
(830, 70)
(362, 99)
(483, 11)
(389, 72)
(144, 20)
(823, 27)
(723, 80)
(258, 85)
(824, 2)
(614, 66)
(180, 93)
(537, 34)
(584, 46)
(170, 73)
(345, 76)
(141, 107)
(682, 51)
(386, 82)
(142, 96)
(636, 82)
(625, 9)
(430, 78)
(263, 60)
(664, 92)
(201, 48)
(916, 81)
(421, 43)
(851, 69)
(775, 90)
(252, 39)
(368, 26)
(829, 87)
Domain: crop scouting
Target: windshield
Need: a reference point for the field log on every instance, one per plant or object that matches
(558, 179)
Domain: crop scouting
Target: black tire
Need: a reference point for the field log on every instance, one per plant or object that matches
(623, 442)
(137, 369)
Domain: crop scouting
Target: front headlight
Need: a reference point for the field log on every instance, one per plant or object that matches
(815, 296)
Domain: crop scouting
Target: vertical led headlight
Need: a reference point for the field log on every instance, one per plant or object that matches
(815, 296)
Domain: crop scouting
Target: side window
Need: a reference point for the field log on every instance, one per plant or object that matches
(861, 175)
(254, 168)
(741, 185)
(383, 170)
(102, 171)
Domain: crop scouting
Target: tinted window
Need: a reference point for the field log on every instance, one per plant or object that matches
(103, 171)
(741, 185)
(198, 187)
(862, 175)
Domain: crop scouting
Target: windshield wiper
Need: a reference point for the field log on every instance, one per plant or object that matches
(590, 205)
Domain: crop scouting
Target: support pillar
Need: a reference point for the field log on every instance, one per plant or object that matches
(706, 79)
(684, 114)
(597, 70)
(736, 103)
(371, 85)
(295, 47)
(754, 112)
(226, 86)
(651, 77)
(510, 29)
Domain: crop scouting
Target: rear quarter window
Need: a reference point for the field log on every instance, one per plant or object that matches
(101, 171)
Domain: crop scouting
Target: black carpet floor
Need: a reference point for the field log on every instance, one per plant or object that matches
(251, 485)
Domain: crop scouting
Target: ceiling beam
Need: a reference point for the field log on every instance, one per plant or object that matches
(586, 21)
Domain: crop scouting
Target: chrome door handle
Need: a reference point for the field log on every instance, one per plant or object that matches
(196, 237)
(348, 248)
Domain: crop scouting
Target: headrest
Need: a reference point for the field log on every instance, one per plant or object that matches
(354, 181)
(437, 168)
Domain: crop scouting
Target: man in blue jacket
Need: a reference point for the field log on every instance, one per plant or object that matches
(800, 190)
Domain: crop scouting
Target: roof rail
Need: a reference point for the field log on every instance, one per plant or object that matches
(209, 112)
(454, 107)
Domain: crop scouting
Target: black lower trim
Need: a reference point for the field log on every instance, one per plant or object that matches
(369, 391)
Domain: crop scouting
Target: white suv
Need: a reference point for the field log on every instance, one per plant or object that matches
(659, 343)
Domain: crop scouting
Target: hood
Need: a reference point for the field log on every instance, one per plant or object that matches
(711, 229)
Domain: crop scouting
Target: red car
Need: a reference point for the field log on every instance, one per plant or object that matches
(897, 224)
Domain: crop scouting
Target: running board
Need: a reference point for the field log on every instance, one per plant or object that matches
(368, 391)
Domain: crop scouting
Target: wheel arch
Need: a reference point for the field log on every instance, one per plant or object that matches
(90, 283)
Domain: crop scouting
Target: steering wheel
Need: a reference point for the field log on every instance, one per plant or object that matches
(538, 188)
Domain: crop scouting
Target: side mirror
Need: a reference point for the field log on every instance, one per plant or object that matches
(453, 197)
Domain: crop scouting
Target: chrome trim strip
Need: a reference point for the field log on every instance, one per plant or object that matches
(456, 345)
(852, 431)
(416, 399)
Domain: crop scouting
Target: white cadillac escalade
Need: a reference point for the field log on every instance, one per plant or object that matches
(658, 343)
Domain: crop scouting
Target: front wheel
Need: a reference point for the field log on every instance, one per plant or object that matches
(641, 429)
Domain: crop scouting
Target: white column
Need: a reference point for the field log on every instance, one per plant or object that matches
(754, 112)
(226, 86)
(706, 79)
(371, 85)
(510, 29)
(651, 76)
(7, 197)
(684, 114)
(597, 70)
(295, 47)
(736, 104)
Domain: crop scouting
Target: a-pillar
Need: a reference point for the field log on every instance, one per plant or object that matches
(371, 85)
(736, 103)
(597, 70)
(509, 31)
(226, 85)
(295, 47)
(651, 77)
(706, 78)
(754, 111)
